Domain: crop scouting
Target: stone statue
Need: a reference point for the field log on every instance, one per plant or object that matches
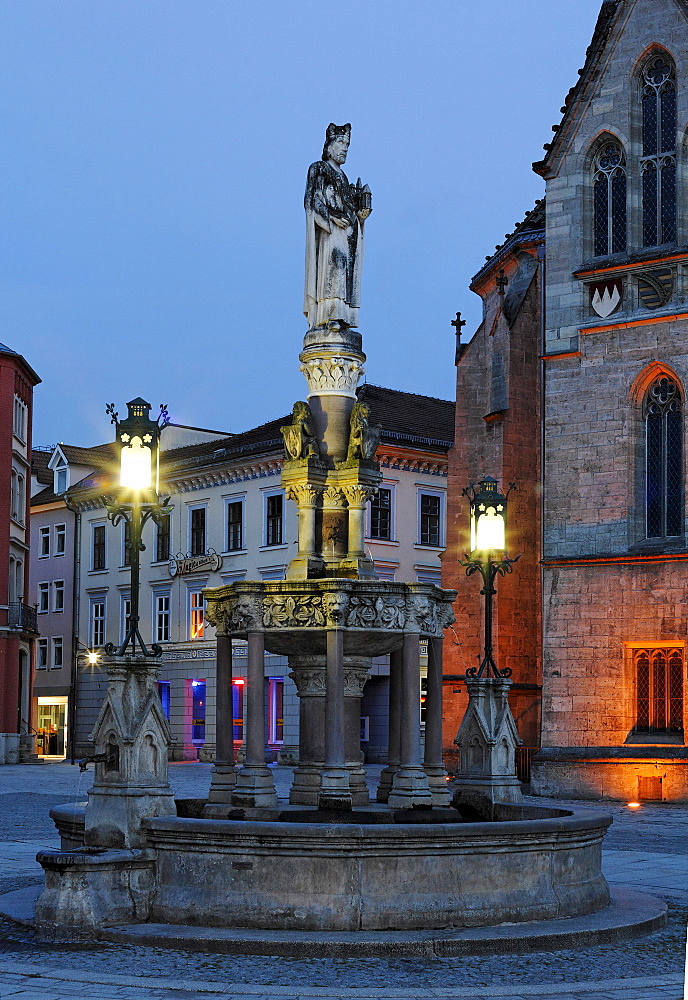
(335, 214)
(363, 439)
(299, 436)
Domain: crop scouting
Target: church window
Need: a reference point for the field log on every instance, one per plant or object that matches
(659, 690)
(658, 161)
(609, 200)
(663, 459)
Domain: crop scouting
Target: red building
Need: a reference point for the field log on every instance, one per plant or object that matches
(17, 619)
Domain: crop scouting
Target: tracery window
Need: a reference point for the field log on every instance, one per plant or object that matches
(659, 690)
(663, 459)
(609, 200)
(658, 162)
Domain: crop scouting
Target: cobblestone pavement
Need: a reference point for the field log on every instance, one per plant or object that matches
(646, 850)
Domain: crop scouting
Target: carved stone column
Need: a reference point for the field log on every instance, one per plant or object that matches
(307, 562)
(434, 766)
(410, 786)
(394, 738)
(335, 792)
(255, 786)
(334, 526)
(357, 496)
(223, 776)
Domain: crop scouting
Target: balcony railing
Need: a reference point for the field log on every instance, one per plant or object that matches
(20, 615)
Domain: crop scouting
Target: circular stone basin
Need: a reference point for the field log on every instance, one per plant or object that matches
(531, 864)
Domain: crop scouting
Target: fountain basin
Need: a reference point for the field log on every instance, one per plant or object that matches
(402, 876)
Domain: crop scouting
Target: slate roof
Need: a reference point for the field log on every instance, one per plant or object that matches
(532, 227)
(606, 20)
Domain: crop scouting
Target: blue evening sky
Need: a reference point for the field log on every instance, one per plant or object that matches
(153, 161)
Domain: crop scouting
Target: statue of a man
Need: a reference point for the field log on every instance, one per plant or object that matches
(335, 214)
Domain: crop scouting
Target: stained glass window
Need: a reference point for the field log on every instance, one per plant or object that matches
(663, 460)
(609, 200)
(658, 162)
(659, 690)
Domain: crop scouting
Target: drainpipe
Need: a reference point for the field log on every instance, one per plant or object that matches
(74, 671)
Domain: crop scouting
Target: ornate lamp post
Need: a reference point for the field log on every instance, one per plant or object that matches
(488, 557)
(138, 445)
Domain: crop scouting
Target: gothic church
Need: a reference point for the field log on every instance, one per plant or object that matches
(574, 386)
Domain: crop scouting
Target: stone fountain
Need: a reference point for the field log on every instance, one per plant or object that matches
(329, 860)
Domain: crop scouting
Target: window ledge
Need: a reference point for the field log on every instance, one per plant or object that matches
(241, 552)
(430, 548)
(97, 572)
(272, 548)
(383, 541)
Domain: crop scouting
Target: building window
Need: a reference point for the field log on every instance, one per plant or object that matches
(238, 685)
(162, 617)
(197, 711)
(609, 200)
(659, 688)
(197, 521)
(164, 695)
(273, 518)
(98, 547)
(381, 514)
(235, 525)
(162, 539)
(57, 653)
(275, 710)
(97, 623)
(196, 613)
(60, 539)
(60, 479)
(42, 655)
(58, 595)
(125, 622)
(17, 498)
(19, 422)
(43, 598)
(658, 162)
(126, 543)
(663, 460)
(430, 519)
(43, 543)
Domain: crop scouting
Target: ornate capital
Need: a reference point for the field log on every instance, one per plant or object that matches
(333, 497)
(337, 375)
(354, 681)
(358, 495)
(304, 494)
(310, 681)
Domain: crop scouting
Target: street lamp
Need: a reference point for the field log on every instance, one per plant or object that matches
(138, 445)
(488, 557)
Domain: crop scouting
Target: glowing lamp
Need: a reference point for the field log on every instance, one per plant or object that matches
(92, 658)
(633, 805)
(138, 442)
(488, 519)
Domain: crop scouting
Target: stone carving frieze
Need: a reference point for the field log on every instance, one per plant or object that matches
(245, 614)
(339, 375)
(285, 611)
(376, 612)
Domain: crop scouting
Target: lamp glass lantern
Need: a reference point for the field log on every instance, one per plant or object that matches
(138, 440)
(488, 520)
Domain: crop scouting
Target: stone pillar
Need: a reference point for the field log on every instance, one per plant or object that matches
(434, 766)
(223, 776)
(487, 740)
(410, 787)
(307, 562)
(255, 786)
(335, 791)
(394, 738)
(357, 497)
(131, 737)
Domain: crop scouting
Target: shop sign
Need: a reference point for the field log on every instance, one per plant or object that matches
(208, 563)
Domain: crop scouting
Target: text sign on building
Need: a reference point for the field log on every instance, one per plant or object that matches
(208, 563)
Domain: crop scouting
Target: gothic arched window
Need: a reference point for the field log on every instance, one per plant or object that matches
(609, 200)
(659, 680)
(658, 162)
(663, 459)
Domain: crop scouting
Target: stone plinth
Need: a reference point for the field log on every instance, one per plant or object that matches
(133, 735)
(487, 740)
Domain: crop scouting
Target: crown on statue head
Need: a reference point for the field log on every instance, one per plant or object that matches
(334, 131)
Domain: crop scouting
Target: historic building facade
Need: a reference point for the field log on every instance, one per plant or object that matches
(17, 617)
(611, 435)
(230, 521)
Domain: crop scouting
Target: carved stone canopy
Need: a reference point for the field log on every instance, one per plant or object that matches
(295, 615)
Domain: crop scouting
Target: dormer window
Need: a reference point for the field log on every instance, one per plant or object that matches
(59, 467)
